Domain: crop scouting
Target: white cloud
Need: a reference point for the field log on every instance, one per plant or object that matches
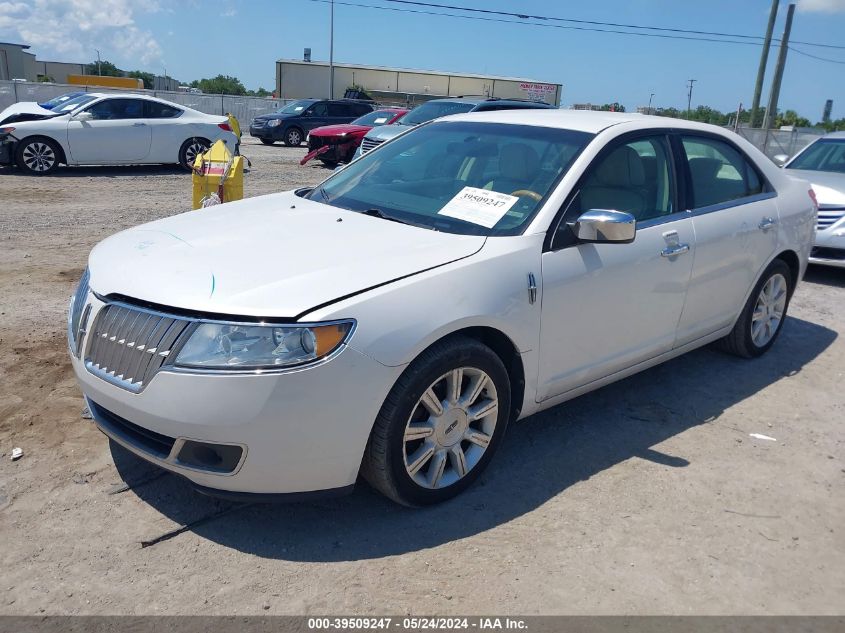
(70, 30)
(822, 6)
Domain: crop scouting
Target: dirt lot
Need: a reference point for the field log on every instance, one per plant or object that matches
(648, 496)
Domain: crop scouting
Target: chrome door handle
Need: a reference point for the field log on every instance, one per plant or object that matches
(139, 125)
(766, 224)
(671, 251)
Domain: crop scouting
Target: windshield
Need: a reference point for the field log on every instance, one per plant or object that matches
(374, 119)
(824, 155)
(52, 103)
(434, 110)
(458, 176)
(294, 108)
(73, 104)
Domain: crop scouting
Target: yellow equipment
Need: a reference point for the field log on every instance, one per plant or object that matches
(233, 123)
(218, 177)
(108, 82)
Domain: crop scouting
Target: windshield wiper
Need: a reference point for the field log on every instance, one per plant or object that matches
(378, 213)
(324, 194)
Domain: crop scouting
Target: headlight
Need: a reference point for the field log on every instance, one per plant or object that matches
(273, 122)
(224, 346)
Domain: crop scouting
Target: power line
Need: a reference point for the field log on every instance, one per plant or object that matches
(554, 26)
(824, 59)
(597, 23)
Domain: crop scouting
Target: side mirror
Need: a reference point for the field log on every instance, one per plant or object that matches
(598, 225)
(83, 116)
(780, 159)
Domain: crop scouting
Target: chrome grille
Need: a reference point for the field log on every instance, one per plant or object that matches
(127, 346)
(369, 143)
(76, 319)
(829, 217)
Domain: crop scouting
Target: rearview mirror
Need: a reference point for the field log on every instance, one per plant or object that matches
(780, 159)
(599, 225)
(83, 116)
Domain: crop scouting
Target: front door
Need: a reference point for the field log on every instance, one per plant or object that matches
(116, 133)
(608, 306)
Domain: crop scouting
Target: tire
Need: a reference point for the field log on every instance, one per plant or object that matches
(762, 318)
(190, 149)
(293, 137)
(407, 428)
(329, 163)
(268, 141)
(38, 156)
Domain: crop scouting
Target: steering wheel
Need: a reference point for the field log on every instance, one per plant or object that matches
(528, 194)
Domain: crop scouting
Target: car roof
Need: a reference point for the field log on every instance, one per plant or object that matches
(480, 100)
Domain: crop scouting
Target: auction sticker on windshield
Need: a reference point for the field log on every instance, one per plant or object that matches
(478, 206)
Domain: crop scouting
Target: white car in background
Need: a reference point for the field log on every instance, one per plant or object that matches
(395, 318)
(822, 162)
(112, 129)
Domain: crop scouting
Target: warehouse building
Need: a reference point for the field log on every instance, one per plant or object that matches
(17, 63)
(311, 79)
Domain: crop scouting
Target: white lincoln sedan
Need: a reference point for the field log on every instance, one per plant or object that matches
(111, 129)
(393, 320)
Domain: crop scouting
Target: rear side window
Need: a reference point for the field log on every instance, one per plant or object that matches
(360, 109)
(340, 109)
(155, 110)
(718, 172)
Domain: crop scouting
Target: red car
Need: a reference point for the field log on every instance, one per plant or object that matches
(335, 144)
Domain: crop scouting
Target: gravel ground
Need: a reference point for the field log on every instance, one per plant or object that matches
(646, 497)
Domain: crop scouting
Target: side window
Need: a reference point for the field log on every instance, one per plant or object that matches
(719, 172)
(339, 109)
(634, 177)
(112, 109)
(361, 109)
(318, 109)
(155, 110)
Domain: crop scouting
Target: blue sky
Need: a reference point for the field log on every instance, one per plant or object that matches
(244, 38)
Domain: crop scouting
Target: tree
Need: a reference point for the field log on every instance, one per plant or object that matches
(613, 107)
(221, 84)
(261, 92)
(833, 126)
(106, 69)
(790, 117)
(147, 78)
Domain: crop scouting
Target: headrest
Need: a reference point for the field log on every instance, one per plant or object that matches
(704, 169)
(518, 161)
(622, 168)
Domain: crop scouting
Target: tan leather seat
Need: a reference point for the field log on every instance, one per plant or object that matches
(618, 184)
(519, 166)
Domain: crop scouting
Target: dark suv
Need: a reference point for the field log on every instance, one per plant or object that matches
(293, 122)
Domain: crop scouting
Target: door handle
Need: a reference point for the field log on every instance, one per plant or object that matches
(766, 224)
(139, 125)
(671, 251)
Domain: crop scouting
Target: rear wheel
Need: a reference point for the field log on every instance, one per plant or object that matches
(38, 156)
(293, 137)
(763, 315)
(192, 148)
(440, 425)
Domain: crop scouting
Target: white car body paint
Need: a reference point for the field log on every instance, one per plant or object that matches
(602, 311)
(125, 141)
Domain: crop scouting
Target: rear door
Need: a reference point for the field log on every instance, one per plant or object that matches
(116, 133)
(735, 216)
(315, 116)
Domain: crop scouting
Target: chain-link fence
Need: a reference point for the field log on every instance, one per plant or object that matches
(774, 142)
(244, 108)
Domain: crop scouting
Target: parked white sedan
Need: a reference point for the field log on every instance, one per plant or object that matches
(393, 320)
(112, 129)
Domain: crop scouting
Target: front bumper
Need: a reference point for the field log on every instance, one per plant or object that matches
(266, 132)
(829, 246)
(7, 151)
(300, 431)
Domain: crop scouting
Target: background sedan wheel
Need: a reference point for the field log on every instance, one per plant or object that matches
(190, 149)
(440, 424)
(762, 317)
(39, 156)
(293, 137)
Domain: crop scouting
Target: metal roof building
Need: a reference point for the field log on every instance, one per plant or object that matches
(297, 79)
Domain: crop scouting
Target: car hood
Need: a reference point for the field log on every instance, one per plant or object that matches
(267, 117)
(387, 132)
(829, 186)
(335, 130)
(272, 256)
(29, 108)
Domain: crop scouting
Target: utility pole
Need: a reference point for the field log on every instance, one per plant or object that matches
(761, 69)
(651, 96)
(98, 62)
(689, 97)
(331, 53)
(774, 95)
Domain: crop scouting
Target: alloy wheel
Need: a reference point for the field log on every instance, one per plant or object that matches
(294, 137)
(39, 157)
(194, 149)
(450, 427)
(769, 310)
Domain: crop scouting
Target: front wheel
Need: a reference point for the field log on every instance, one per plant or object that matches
(293, 137)
(38, 156)
(762, 318)
(268, 141)
(440, 425)
(190, 149)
